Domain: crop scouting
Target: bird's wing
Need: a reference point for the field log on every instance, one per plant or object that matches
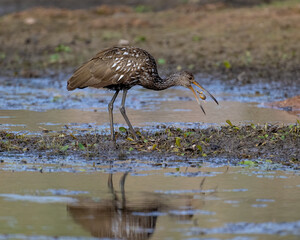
(108, 67)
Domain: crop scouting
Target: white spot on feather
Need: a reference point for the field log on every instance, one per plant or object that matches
(118, 67)
(125, 53)
(120, 78)
(115, 64)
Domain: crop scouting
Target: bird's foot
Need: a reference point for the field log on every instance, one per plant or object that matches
(137, 136)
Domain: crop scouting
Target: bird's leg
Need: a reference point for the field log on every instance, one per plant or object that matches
(123, 111)
(122, 186)
(111, 187)
(111, 117)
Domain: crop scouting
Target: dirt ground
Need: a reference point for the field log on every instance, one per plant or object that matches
(249, 44)
(271, 143)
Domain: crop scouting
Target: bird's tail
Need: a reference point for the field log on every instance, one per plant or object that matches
(79, 78)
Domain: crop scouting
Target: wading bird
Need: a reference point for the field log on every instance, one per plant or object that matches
(120, 68)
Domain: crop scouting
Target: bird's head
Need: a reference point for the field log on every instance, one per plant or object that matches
(186, 79)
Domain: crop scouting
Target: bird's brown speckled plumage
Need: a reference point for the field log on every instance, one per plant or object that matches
(116, 68)
(120, 68)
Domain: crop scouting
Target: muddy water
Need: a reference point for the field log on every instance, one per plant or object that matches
(167, 112)
(170, 203)
(35, 104)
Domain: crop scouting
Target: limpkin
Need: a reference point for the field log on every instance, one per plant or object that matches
(120, 68)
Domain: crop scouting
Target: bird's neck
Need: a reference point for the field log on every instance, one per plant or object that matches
(164, 83)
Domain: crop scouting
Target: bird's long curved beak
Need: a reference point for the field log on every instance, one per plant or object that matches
(198, 101)
(199, 86)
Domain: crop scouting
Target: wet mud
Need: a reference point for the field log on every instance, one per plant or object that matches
(267, 143)
(290, 104)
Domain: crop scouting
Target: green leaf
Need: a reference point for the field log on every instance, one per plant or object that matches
(177, 141)
(140, 39)
(247, 162)
(154, 146)
(196, 38)
(122, 129)
(191, 66)
(142, 9)
(199, 148)
(175, 150)
(248, 57)
(227, 65)
(54, 58)
(186, 134)
(80, 145)
(161, 61)
(62, 48)
(56, 98)
(64, 148)
(229, 123)
(2, 56)
(131, 149)
(138, 133)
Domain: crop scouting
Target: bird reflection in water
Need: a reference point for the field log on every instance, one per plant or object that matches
(120, 218)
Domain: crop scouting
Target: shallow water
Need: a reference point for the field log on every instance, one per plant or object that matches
(37, 104)
(42, 94)
(157, 203)
(187, 114)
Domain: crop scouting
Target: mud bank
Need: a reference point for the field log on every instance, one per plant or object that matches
(280, 144)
